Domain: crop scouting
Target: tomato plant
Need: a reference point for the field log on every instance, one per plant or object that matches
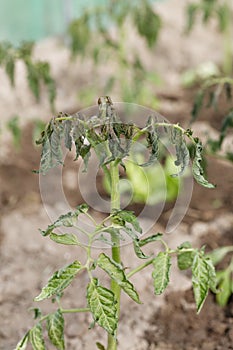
(112, 140)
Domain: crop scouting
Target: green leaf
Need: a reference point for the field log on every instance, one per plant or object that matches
(152, 238)
(200, 280)
(224, 286)
(137, 249)
(184, 258)
(116, 272)
(100, 346)
(36, 337)
(66, 220)
(59, 281)
(55, 326)
(197, 169)
(67, 238)
(162, 264)
(22, 344)
(103, 306)
(122, 217)
(218, 254)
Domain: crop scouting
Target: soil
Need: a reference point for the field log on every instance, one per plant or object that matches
(27, 260)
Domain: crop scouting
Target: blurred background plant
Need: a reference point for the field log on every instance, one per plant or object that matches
(102, 34)
(213, 83)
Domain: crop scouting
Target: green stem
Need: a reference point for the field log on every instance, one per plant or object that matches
(69, 311)
(139, 268)
(115, 204)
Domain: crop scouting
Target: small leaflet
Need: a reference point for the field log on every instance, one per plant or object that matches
(67, 238)
(103, 306)
(160, 274)
(66, 220)
(116, 272)
(59, 281)
(152, 238)
(36, 337)
(185, 258)
(55, 327)
(200, 280)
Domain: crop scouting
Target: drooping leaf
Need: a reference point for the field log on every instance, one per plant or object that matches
(116, 272)
(59, 281)
(103, 306)
(55, 142)
(185, 258)
(200, 280)
(197, 169)
(67, 134)
(67, 238)
(36, 337)
(182, 152)
(22, 344)
(161, 264)
(152, 238)
(152, 139)
(55, 327)
(66, 220)
(137, 249)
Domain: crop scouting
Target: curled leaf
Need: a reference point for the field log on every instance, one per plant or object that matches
(198, 172)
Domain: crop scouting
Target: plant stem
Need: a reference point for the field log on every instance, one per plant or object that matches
(115, 204)
(139, 268)
(69, 311)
